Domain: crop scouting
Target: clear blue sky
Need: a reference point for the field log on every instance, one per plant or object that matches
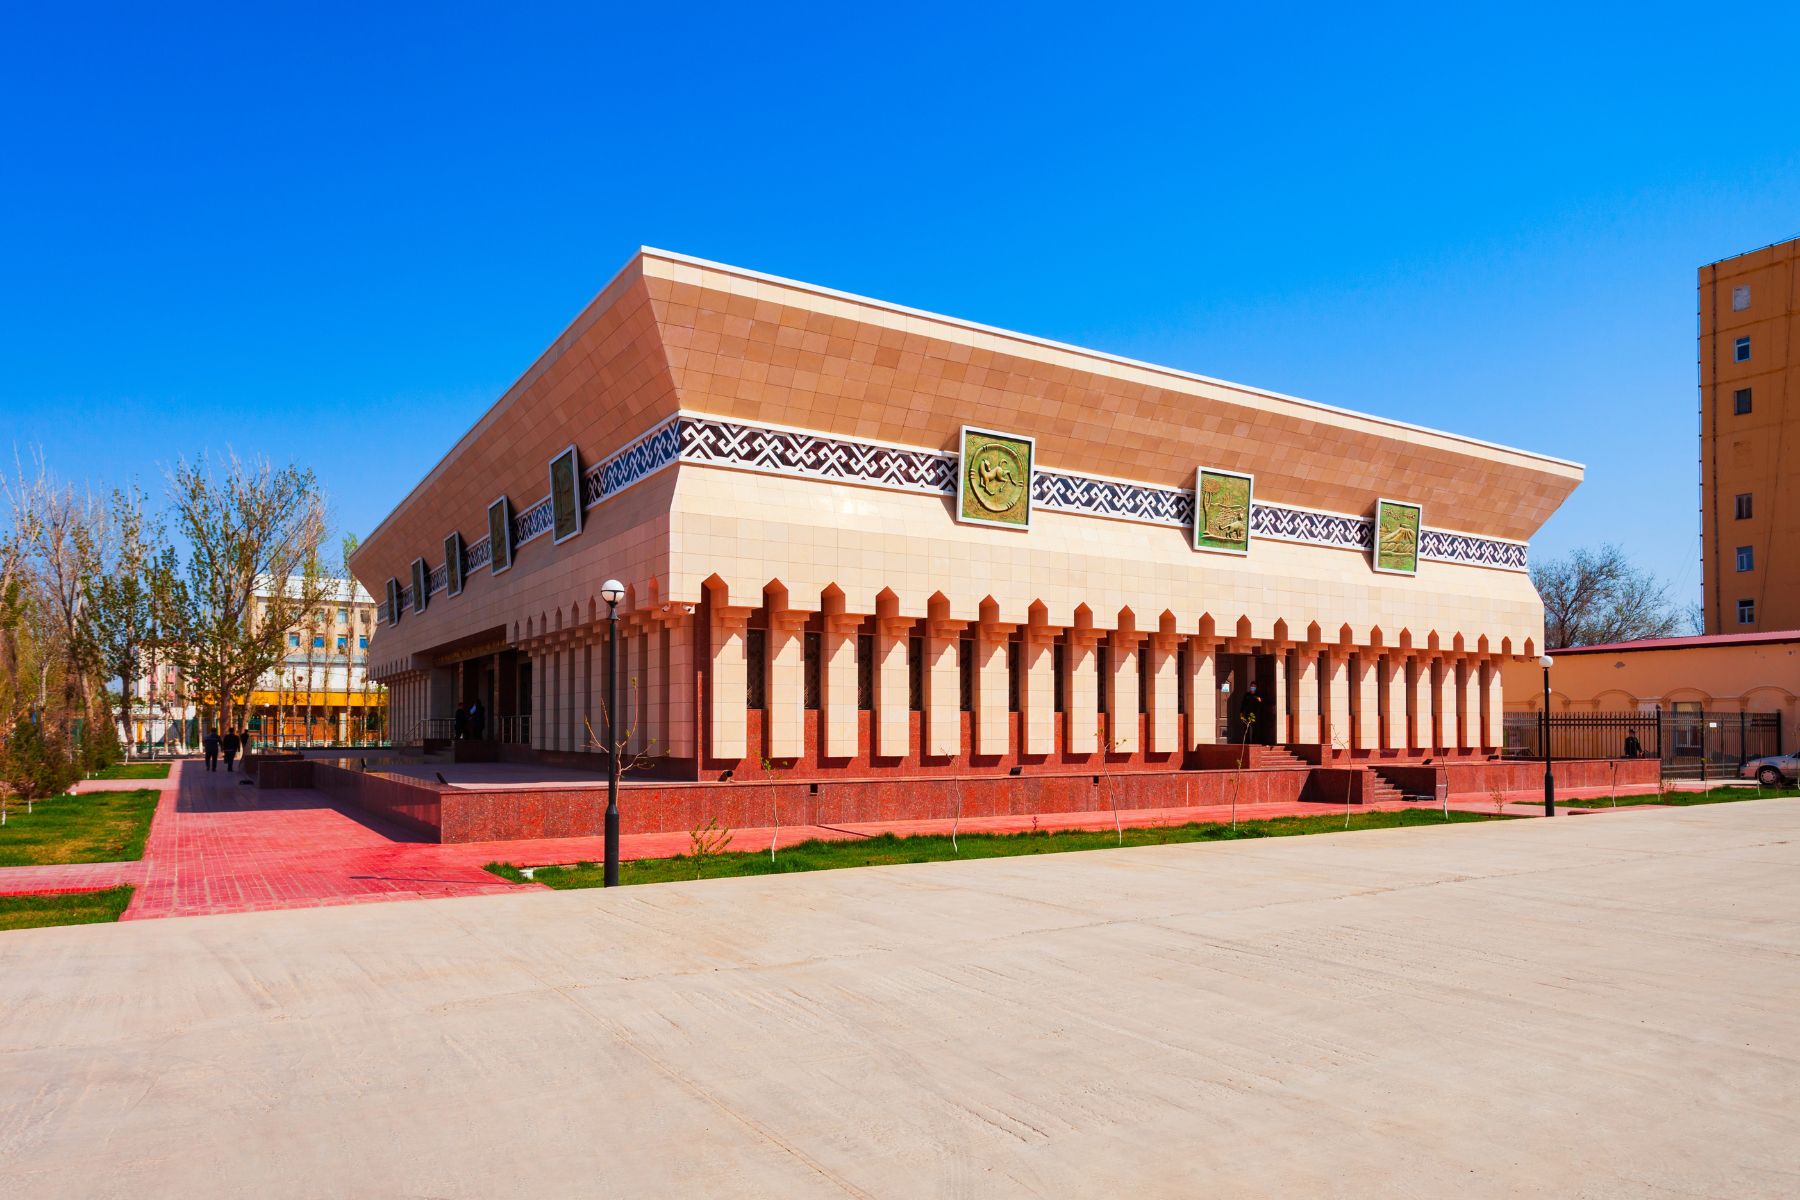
(334, 234)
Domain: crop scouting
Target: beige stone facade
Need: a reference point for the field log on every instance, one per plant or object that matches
(771, 469)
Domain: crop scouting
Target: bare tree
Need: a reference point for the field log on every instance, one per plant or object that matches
(253, 533)
(61, 535)
(118, 614)
(1593, 597)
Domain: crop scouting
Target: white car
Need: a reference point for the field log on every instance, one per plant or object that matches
(1773, 771)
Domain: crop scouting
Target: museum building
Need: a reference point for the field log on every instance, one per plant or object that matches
(859, 540)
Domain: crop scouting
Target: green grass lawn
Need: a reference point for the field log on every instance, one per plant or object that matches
(1723, 795)
(889, 850)
(74, 908)
(96, 827)
(135, 770)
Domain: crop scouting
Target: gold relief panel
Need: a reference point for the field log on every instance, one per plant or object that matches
(453, 565)
(1222, 502)
(993, 478)
(393, 601)
(1397, 526)
(500, 545)
(565, 495)
(421, 584)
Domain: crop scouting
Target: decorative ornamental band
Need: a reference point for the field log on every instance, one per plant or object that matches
(715, 442)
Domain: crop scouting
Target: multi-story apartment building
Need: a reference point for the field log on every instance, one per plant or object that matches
(1750, 439)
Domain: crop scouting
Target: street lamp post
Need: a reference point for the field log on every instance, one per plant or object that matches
(612, 591)
(1549, 776)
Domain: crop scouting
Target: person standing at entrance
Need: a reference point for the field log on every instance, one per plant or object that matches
(461, 722)
(210, 746)
(477, 719)
(230, 746)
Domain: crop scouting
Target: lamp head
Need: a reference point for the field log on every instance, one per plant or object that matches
(1225, 688)
(612, 591)
(1546, 662)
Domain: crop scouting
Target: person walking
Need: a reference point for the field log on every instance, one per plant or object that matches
(230, 745)
(244, 744)
(209, 745)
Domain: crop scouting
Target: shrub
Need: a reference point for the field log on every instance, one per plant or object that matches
(35, 763)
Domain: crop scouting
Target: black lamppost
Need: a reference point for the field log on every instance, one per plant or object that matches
(612, 591)
(1549, 777)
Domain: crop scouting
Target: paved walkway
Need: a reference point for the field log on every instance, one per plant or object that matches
(1586, 1007)
(218, 845)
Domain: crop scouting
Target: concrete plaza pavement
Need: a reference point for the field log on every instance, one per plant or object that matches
(1591, 1006)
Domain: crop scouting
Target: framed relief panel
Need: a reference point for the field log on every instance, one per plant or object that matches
(421, 579)
(1222, 510)
(500, 543)
(453, 565)
(393, 601)
(993, 478)
(565, 496)
(1397, 526)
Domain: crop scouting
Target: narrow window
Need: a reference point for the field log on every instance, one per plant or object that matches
(865, 672)
(1103, 681)
(915, 674)
(1058, 688)
(811, 668)
(1743, 506)
(1143, 672)
(1746, 558)
(1181, 674)
(1741, 350)
(1746, 612)
(1740, 401)
(1012, 677)
(1740, 297)
(756, 668)
(965, 672)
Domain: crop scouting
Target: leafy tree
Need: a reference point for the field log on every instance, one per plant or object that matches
(34, 761)
(252, 574)
(1597, 596)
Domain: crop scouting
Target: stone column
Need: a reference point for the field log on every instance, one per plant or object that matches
(680, 726)
(1493, 698)
(725, 717)
(1367, 684)
(1037, 690)
(784, 687)
(587, 729)
(1122, 722)
(1308, 729)
(837, 678)
(1083, 691)
(1202, 688)
(892, 691)
(942, 726)
(1164, 719)
(540, 715)
(1281, 704)
(1471, 704)
(992, 718)
(1335, 671)
(1443, 702)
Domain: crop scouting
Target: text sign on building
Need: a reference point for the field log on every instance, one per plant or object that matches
(565, 495)
(993, 479)
(453, 565)
(421, 580)
(1397, 526)
(500, 546)
(1222, 510)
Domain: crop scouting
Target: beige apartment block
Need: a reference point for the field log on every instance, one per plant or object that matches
(1749, 426)
(859, 538)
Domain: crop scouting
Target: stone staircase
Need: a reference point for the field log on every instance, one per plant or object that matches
(1275, 756)
(1385, 790)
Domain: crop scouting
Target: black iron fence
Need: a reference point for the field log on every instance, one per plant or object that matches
(1685, 738)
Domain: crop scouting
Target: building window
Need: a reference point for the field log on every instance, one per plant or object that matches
(362, 643)
(1103, 678)
(343, 643)
(318, 641)
(1746, 558)
(1181, 685)
(915, 674)
(1143, 664)
(1746, 612)
(1740, 297)
(1012, 677)
(294, 640)
(1742, 350)
(1058, 666)
(1743, 506)
(343, 617)
(756, 668)
(811, 668)
(1740, 401)
(865, 672)
(965, 673)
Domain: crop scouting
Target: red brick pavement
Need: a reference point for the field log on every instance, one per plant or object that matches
(218, 846)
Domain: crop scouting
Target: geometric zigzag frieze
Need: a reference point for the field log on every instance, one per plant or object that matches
(716, 442)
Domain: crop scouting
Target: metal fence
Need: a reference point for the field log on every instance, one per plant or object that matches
(1682, 740)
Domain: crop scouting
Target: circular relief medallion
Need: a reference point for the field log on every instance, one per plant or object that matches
(996, 477)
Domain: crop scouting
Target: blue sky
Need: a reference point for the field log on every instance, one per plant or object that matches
(333, 235)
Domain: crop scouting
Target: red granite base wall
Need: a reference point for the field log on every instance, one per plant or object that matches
(1475, 779)
(403, 801)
